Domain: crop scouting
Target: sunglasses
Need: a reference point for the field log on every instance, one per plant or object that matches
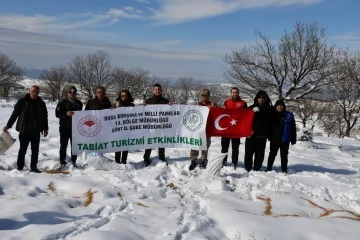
(124, 96)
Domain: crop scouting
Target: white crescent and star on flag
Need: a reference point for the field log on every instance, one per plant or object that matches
(217, 120)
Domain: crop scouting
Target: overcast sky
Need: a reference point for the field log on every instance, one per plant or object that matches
(170, 38)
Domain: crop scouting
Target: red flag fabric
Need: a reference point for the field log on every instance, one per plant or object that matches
(230, 122)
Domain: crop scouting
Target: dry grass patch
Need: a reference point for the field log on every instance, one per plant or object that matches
(268, 207)
(52, 187)
(327, 212)
(53, 171)
(89, 198)
(141, 204)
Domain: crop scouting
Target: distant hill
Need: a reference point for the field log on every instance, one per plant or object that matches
(32, 72)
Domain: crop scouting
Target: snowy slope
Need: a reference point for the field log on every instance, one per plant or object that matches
(319, 199)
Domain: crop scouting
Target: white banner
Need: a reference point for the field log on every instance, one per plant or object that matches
(139, 128)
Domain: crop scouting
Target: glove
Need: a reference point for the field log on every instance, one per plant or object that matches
(255, 109)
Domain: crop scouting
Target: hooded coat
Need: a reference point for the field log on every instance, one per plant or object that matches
(283, 125)
(262, 116)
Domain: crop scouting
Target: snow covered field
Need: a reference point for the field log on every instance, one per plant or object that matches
(319, 199)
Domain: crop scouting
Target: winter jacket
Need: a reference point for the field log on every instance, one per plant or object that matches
(238, 103)
(262, 117)
(95, 104)
(63, 107)
(283, 127)
(31, 114)
(120, 103)
(156, 100)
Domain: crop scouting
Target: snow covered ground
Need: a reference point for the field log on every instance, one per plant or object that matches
(319, 199)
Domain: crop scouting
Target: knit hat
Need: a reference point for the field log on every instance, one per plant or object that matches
(71, 89)
(205, 92)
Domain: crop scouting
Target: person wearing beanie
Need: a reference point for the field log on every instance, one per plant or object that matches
(256, 143)
(194, 154)
(65, 109)
(124, 100)
(283, 133)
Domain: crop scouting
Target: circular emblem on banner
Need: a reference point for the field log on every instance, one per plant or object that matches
(89, 126)
(193, 120)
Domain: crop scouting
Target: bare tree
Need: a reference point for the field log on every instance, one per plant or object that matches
(55, 80)
(10, 74)
(91, 71)
(298, 65)
(332, 122)
(181, 91)
(345, 91)
(308, 111)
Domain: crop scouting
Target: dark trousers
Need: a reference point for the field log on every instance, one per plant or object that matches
(161, 154)
(65, 136)
(235, 142)
(25, 138)
(123, 158)
(284, 151)
(254, 146)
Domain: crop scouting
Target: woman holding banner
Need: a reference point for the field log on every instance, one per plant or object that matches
(124, 100)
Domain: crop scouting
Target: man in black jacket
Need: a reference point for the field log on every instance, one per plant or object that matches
(32, 119)
(100, 101)
(64, 111)
(157, 98)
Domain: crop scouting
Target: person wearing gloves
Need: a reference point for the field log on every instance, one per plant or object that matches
(256, 143)
(283, 133)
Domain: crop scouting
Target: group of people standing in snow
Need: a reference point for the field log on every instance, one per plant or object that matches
(271, 123)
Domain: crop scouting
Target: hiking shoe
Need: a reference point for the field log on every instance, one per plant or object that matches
(35, 170)
(192, 165)
(203, 164)
(147, 162)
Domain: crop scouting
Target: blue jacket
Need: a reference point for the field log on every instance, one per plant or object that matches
(283, 127)
(289, 128)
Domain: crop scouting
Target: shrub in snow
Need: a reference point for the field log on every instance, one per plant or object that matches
(305, 135)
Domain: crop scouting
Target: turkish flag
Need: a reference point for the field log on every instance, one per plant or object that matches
(230, 122)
